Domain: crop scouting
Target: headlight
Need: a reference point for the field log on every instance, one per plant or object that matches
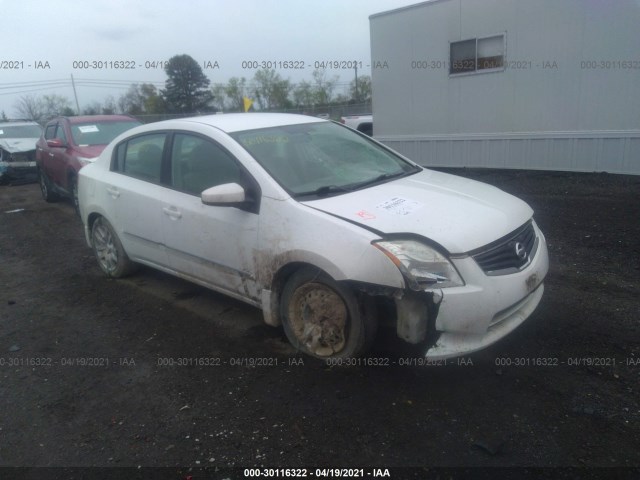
(85, 161)
(421, 265)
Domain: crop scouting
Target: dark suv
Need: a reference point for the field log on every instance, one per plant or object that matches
(69, 143)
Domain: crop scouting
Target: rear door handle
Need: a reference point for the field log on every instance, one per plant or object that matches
(172, 212)
(114, 192)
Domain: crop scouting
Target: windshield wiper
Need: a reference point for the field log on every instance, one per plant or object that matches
(332, 189)
(325, 190)
(380, 178)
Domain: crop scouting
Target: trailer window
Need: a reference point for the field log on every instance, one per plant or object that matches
(477, 55)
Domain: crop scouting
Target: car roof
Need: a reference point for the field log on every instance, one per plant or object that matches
(235, 122)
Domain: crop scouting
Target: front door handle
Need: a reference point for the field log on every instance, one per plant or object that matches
(172, 212)
(114, 192)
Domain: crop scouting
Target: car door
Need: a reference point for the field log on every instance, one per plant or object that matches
(58, 157)
(134, 194)
(213, 245)
(45, 152)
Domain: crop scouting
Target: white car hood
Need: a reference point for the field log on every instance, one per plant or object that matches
(15, 145)
(457, 213)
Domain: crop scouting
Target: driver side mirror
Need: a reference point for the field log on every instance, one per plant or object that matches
(56, 143)
(228, 194)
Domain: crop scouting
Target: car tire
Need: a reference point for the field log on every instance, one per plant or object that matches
(73, 189)
(45, 187)
(323, 318)
(110, 254)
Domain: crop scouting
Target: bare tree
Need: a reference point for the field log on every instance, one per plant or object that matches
(29, 107)
(42, 108)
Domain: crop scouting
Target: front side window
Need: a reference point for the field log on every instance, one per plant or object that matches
(477, 55)
(50, 132)
(60, 133)
(198, 164)
(320, 159)
(141, 157)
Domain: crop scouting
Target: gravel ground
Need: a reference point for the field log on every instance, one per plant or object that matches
(86, 379)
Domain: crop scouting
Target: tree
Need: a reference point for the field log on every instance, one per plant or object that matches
(303, 94)
(152, 101)
(93, 108)
(132, 102)
(4, 117)
(219, 101)
(141, 99)
(187, 88)
(363, 93)
(109, 106)
(323, 87)
(30, 107)
(235, 91)
(57, 105)
(270, 90)
(41, 109)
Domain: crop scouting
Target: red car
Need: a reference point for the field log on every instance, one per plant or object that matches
(69, 143)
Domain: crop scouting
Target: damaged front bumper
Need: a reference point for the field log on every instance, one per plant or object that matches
(18, 167)
(458, 321)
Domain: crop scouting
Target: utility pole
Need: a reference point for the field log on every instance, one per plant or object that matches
(357, 96)
(75, 94)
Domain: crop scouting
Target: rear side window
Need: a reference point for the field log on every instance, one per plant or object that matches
(141, 157)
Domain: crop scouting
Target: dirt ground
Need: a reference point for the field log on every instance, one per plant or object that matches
(92, 374)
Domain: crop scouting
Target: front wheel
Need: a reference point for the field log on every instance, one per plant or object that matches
(109, 251)
(323, 318)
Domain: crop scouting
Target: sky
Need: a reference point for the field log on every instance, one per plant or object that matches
(44, 44)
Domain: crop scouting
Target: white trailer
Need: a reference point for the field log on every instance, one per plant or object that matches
(545, 84)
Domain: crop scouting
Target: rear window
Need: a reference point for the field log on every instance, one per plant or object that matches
(20, 131)
(99, 133)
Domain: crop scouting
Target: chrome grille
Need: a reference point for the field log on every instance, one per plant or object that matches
(510, 253)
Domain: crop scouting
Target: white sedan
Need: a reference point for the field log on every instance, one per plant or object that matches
(327, 231)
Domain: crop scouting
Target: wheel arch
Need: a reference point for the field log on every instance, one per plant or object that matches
(272, 294)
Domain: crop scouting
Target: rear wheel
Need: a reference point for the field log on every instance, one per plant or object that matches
(108, 250)
(45, 187)
(323, 318)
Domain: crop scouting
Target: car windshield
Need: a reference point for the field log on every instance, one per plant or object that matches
(20, 131)
(322, 159)
(99, 133)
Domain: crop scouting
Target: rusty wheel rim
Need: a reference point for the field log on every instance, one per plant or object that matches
(319, 317)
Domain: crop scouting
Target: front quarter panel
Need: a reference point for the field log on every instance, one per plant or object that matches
(291, 232)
